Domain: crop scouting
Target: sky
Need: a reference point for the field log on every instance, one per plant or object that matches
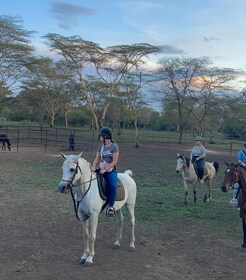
(195, 28)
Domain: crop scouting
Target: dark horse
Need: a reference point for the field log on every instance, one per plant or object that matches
(5, 140)
(236, 174)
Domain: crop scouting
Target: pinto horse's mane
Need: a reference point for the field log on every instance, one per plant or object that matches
(186, 159)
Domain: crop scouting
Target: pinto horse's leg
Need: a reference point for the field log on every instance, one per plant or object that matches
(207, 196)
(194, 192)
(86, 242)
(93, 220)
(130, 208)
(120, 219)
(186, 193)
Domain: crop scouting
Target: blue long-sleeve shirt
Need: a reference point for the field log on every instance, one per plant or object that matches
(242, 157)
(197, 151)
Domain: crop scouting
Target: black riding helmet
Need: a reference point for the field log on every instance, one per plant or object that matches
(106, 132)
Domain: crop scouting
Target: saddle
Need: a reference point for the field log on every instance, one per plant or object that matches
(196, 168)
(103, 188)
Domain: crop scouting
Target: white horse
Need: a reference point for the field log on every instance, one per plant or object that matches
(186, 168)
(88, 202)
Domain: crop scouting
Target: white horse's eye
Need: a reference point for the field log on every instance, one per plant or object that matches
(72, 169)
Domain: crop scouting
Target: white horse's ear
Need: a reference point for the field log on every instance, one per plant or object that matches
(64, 156)
(77, 157)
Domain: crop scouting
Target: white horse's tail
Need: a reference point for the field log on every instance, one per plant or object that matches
(128, 172)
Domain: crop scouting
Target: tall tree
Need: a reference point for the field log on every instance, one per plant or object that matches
(15, 53)
(93, 64)
(212, 81)
(51, 81)
(175, 80)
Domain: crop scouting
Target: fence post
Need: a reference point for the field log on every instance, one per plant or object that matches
(46, 140)
(18, 140)
(56, 134)
(230, 150)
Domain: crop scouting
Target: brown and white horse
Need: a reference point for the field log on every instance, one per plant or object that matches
(236, 174)
(187, 169)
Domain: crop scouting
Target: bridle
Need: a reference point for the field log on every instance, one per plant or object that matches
(184, 164)
(235, 177)
(71, 185)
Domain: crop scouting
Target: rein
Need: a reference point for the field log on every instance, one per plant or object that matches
(70, 186)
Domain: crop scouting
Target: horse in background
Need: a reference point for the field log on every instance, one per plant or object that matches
(88, 201)
(5, 142)
(236, 174)
(189, 175)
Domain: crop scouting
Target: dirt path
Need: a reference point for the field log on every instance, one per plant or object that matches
(40, 240)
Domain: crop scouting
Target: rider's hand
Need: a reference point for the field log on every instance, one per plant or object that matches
(93, 168)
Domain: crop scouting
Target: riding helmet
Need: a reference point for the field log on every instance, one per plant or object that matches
(106, 132)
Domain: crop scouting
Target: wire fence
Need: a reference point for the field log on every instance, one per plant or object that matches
(86, 139)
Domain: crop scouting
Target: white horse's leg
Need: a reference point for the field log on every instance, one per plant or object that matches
(92, 237)
(120, 219)
(85, 255)
(130, 208)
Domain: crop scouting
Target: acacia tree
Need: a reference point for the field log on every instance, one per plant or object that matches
(93, 65)
(117, 64)
(51, 81)
(133, 99)
(175, 82)
(211, 81)
(15, 53)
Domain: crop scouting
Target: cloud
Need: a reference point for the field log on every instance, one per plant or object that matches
(208, 39)
(68, 14)
(168, 49)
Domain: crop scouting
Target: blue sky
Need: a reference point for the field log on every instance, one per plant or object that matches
(214, 28)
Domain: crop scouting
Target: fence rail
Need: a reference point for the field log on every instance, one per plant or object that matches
(86, 139)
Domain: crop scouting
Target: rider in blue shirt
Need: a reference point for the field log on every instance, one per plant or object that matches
(198, 154)
(242, 156)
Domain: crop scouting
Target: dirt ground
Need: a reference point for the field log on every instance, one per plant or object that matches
(40, 241)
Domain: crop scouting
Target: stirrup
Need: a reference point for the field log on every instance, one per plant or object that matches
(110, 212)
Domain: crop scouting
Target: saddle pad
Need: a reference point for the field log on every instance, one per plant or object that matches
(103, 188)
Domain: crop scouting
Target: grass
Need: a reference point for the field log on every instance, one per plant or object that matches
(159, 199)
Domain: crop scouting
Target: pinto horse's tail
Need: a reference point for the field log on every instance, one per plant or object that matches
(216, 166)
(128, 172)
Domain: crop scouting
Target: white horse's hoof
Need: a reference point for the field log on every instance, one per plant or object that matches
(131, 249)
(116, 246)
(82, 261)
(87, 264)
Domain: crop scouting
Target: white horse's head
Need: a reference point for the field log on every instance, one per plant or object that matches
(71, 172)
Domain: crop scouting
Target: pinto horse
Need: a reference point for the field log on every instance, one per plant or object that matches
(89, 204)
(187, 169)
(5, 140)
(236, 174)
